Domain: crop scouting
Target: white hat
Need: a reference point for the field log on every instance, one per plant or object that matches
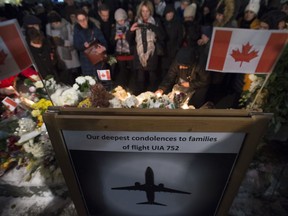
(120, 14)
(190, 11)
(254, 6)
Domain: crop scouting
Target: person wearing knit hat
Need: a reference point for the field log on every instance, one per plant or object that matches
(181, 8)
(31, 21)
(53, 17)
(273, 20)
(190, 12)
(188, 74)
(122, 48)
(249, 19)
(120, 14)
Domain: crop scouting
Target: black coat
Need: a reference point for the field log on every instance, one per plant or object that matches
(173, 42)
(152, 63)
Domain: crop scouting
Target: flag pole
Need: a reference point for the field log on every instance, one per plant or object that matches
(260, 90)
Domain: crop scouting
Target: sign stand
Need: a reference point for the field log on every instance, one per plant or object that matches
(154, 162)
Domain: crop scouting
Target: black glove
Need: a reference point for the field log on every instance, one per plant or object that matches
(58, 41)
(151, 27)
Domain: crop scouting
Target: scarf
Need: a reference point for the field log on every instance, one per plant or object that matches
(122, 46)
(150, 38)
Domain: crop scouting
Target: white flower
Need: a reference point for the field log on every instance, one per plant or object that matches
(75, 86)
(38, 84)
(115, 103)
(252, 77)
(32, 89)
(70, 97)
(145, 95)
(131, 102)
(80, 80)
(92, 82)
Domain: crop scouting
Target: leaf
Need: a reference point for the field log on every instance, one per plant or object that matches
(246, 55)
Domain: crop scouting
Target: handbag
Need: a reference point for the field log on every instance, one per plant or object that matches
(93, 55)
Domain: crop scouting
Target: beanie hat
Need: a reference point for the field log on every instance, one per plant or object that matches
(120, 14)
(31, 20)
(53, 16)
(169, 8)
(254, 6)
(185, 56)
(272, 18)
(190, 11)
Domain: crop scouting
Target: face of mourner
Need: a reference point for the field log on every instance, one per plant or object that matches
(145, 13)
(104, 14)
(82, 21)
(249, 15)
(56, 24)
(264, 26)
(169, 16)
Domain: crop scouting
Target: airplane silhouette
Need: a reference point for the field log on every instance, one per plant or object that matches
(150, 188)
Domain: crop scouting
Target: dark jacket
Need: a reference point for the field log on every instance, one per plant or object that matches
(173, 42)
(46, 60)
(195, 74)
(87, 35)
(160, 37)
(192, 33)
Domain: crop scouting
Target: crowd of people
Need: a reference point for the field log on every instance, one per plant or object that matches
(157, 43)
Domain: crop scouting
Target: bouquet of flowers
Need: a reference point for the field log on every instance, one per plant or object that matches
(83, 83)
(65, 96)
(39, 108)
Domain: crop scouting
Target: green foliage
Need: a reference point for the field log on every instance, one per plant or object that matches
(277, 101)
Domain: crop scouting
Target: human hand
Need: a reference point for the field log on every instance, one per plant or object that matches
(134, 27)
(86, 44)
(185, 84)
(10, 90)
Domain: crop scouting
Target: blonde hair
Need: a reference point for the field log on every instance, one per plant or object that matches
(146, 3)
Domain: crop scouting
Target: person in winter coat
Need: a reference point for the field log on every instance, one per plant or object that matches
(146, 32)
(60, 31)
(86, 32)
(174, 32)
(188, 71)
(122, 48)
(192, 29)
(45, 58)
(249, 20)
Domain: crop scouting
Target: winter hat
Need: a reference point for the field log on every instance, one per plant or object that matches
(120, 14)
(272, 18)
(169, 8)
(254, 6)
(185, 56)
(31, 20)
(190, 11)
(53, 16)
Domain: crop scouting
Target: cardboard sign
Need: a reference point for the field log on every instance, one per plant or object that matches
(14, 54)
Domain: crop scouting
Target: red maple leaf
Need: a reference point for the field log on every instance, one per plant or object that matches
(3, 56)
(246, 55)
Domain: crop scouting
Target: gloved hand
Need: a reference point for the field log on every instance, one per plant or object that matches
(58, 41)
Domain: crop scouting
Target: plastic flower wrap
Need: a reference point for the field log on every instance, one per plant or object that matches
(151, 100)
(38, 149)
(65, 96)
(25, 125)
(249, 93)
(131, 102)
(115, 103)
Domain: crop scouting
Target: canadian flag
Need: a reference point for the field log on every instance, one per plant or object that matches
(104, 75)
(14, 54)
(9, 103)
(245, 50)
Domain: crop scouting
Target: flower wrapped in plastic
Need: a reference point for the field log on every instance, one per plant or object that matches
(65, 97)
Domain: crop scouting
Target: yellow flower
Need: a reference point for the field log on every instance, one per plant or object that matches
(36, 113)
(85, 103)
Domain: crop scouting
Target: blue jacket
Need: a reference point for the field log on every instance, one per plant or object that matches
(87, 35)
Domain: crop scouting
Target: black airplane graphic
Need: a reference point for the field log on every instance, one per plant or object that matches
(150, 188)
